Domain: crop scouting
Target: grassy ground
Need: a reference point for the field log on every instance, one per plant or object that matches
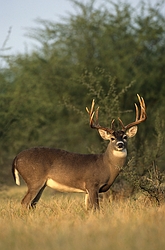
(61, 222)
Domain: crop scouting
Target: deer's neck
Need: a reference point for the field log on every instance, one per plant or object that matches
(115, 159)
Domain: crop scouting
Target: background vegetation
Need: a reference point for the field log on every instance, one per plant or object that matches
(109, 53)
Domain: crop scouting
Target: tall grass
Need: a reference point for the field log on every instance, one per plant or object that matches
(61, 222)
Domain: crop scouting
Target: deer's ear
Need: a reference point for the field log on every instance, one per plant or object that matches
(104, 134)
(131, 132)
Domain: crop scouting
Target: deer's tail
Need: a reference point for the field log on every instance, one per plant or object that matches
(15, 173)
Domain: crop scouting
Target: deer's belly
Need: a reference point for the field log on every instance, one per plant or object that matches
(62, 188)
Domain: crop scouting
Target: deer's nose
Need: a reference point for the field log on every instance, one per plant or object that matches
(120, 144)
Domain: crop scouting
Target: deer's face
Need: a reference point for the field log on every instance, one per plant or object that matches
(118, 139)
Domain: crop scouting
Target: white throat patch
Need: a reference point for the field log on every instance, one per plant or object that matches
(122, 153)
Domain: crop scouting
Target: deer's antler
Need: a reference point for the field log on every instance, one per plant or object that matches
(95, 124)
(139, 118)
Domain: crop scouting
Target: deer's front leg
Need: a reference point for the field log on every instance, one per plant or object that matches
(92, 200)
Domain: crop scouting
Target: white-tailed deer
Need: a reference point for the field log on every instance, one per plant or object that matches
(71, 172)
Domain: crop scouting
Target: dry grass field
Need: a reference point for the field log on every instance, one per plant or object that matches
(61, 222)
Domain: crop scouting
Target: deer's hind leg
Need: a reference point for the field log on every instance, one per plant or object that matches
(36, 199)
(32, 196)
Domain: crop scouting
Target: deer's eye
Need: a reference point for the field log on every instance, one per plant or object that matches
(124, 137)
(112, 138)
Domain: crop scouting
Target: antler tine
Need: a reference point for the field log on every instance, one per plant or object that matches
(112, 124)
(91, 114)
(97, 115)
(138, 119)
(143, 107)
(137, 112)
(121, 123)
(91, 110)
(95, 124)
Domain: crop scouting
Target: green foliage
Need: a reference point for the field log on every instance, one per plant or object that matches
(145, 171)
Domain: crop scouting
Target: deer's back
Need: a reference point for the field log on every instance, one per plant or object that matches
(52, 159)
